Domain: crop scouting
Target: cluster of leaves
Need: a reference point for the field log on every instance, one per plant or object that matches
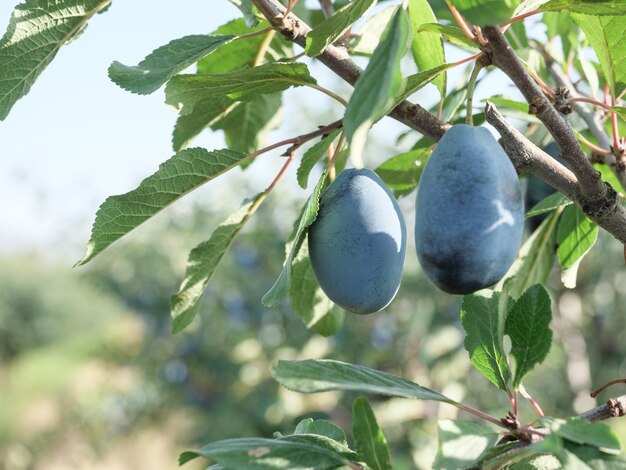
(487, 318)
(242, 70)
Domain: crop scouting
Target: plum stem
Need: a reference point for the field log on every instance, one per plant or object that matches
(469, 114)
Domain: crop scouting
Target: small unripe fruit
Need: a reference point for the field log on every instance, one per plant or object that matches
(469, 215)
(358, 242)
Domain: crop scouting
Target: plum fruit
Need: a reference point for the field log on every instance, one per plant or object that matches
(469, 217)
(357, 242)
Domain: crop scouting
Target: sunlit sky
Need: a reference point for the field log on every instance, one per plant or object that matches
(77, 138)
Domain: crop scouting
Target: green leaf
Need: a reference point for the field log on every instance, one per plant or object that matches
(323, 428)
(483, 321)
(181, 174)
(185, 91)
(371, 32)
(534, 259)
(165, 62)
(381, 83)
(453, 33)
(369, 440)
(462, 443)
(607, 36)
(419, 80)
(589, 7)
(402, 172)
(620, 111)
(549, 204)
(36, 32)
(427, 47)
(575, 236)
(528, 326)
(308, 300)
(260, 454)
(249, 11)
(312, 156)
(312, 376)
(596, 459)
(483, 12)
(236, 54)
(330, 30)
(201, 265)
(247, 125)
(580, 431)
(280, 289)
(508, 103)
(204, 113)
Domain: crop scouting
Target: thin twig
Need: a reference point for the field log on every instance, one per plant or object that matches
(595, 393)
(461, 22)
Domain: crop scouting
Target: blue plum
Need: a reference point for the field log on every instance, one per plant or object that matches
(358, 242)
(469, 216)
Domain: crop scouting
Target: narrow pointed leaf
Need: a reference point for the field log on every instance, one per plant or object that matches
(163, 63)
(380, 85)
(261, 454)
(369, 440)
(201, 265)
(312, 376)
(420, 79)
(330, 30)
(36, 32)
(575, 236)
(280, 289)
(308, 300)
(483, 321)
(185, 91)
(178, 176)
(607, 35)
(528, 326)
(453, 33)
(427, 48)
(462, 443)
(549, 204)
(534, 259)
(312, 156)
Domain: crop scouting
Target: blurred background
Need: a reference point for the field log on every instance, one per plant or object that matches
(90, 374)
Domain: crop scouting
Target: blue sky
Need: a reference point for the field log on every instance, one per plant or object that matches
(76, 137)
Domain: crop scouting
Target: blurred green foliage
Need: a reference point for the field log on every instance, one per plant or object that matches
(91, 376)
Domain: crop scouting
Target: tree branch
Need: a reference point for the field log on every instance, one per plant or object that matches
(338, 60)
(613, 408)
(584, 186)
(504, 57)
(526, 156)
